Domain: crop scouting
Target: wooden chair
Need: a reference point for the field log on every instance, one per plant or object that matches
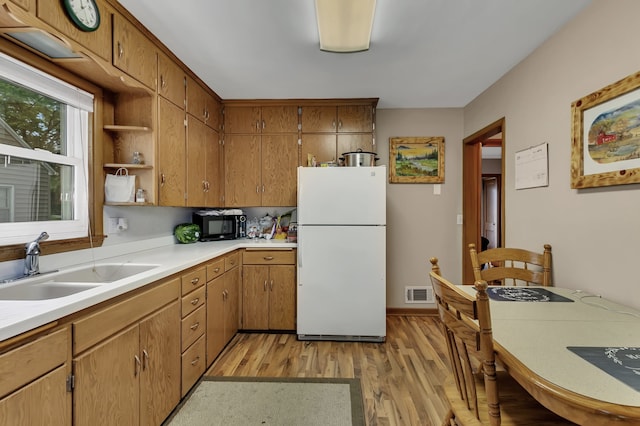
(512, 266)
(487, 397)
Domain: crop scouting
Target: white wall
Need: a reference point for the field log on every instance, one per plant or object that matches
(594, 231)
(421, 225)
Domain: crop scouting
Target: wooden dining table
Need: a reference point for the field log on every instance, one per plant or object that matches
(538, 342)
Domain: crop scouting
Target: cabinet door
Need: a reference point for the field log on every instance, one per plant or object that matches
(160, 356)
(134, 53)
(42, 402)
(280, 119)
(323, 147)
(214, 175)
(279, 163)
(282, 297)
(171, 154)
(106, 382)
(350, 143)
(355, 118)
(255, 293)
(319, 119)
(98, 41)
(215, 318)
(196, 100)
(197, 162)
(242, 184)
(239, 119)
(28, 5)
(171, 83)
(231, 306)
(214, 113)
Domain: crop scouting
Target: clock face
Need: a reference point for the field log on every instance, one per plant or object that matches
(84, 14)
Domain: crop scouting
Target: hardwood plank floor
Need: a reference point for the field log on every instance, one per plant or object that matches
(401, 379)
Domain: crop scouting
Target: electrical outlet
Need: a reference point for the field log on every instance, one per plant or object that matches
(112, 225)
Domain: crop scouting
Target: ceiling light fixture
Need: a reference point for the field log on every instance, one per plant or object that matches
(345, 25)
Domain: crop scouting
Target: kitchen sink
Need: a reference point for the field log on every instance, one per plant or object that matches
(42, 290)
(102, 273)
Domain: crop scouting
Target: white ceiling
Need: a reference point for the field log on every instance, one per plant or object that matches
(424, 53)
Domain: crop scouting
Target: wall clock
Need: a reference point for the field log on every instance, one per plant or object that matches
(84, 14)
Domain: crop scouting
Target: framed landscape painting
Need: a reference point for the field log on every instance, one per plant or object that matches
(416, 159)
(605, 133)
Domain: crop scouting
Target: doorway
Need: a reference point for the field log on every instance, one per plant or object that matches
(474, 199)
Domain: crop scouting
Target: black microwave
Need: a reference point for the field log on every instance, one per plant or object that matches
(220, 227)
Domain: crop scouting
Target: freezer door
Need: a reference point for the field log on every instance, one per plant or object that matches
(341, 281)
(342, 195)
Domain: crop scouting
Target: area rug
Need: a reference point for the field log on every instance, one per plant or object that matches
(243, 401)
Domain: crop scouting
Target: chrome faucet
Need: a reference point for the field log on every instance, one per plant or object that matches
(32, 258)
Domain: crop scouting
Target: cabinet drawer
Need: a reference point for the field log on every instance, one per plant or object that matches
(193, 301)
(269, 257)
(193, 326)
(215, 269)
(98, 326)
(32, 360)
(231, 260)
(193, 364)
(194, 279)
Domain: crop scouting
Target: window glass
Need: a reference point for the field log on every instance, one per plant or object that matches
(43, 163)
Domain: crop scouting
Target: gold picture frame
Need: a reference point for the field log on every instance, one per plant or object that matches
(605, 136)
(416, 159)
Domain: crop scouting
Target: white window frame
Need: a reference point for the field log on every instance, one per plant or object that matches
(79, 105)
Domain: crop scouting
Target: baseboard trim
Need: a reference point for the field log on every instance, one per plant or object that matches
(420, 312)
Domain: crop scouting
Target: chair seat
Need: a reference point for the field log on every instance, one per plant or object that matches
(517, 407)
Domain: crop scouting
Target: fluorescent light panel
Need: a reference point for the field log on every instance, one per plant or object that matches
(345, 25)
(44, 43)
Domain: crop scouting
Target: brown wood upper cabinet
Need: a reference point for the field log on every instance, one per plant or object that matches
(171, 154)
(202, 105)
(261, 119)
(337, 119)
(28, 5)
(171, 80)
(133, 52)
(98, 41)
(204, 165)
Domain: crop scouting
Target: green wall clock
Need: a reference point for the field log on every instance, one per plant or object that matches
(84, 13)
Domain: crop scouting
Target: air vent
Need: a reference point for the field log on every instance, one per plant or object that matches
(418, 294)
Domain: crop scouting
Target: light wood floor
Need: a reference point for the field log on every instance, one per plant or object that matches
(401, 378)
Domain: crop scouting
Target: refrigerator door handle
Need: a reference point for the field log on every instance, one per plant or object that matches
(299, 260)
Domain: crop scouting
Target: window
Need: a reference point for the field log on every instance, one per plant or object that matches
(44, 131)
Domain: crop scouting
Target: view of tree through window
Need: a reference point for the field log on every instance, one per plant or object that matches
(32, 188)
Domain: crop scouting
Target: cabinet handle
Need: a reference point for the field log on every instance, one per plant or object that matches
(225, 295)
(257, 124)
(120, 50)
(263, 188)
(145, 358)
(265, 285)
(206, 114)
(339, 124)
(257, 189)
(204, 186)
(136, 371)
(195, 280)
(195, 361)
(163, 83)
(195, 301)
(263, 124)
(195, 326)
(162, 179)
(271, 285)
(333, 124)
(268, 258)
(216, 270)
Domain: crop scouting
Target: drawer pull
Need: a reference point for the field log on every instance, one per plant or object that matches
(195, 326)
(216, 270)
(195, 361)
(268, 258)
(195, 281)
(195, 301)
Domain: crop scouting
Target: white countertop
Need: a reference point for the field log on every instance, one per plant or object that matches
(18, 316)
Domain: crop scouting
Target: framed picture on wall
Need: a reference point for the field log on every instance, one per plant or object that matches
(416, 159)
(605, 136)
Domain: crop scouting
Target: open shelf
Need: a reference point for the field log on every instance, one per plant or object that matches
(119, 128)
(126, 166)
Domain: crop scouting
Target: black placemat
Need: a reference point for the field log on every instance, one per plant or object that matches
(524, 294)
(623, 363)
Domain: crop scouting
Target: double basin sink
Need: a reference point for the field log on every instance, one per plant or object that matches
(67, 282)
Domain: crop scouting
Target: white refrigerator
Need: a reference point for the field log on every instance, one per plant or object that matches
(342, 253)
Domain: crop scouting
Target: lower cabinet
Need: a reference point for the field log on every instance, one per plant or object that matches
(33, 389)
(223, 282)
(132, 376)
(269, 290)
